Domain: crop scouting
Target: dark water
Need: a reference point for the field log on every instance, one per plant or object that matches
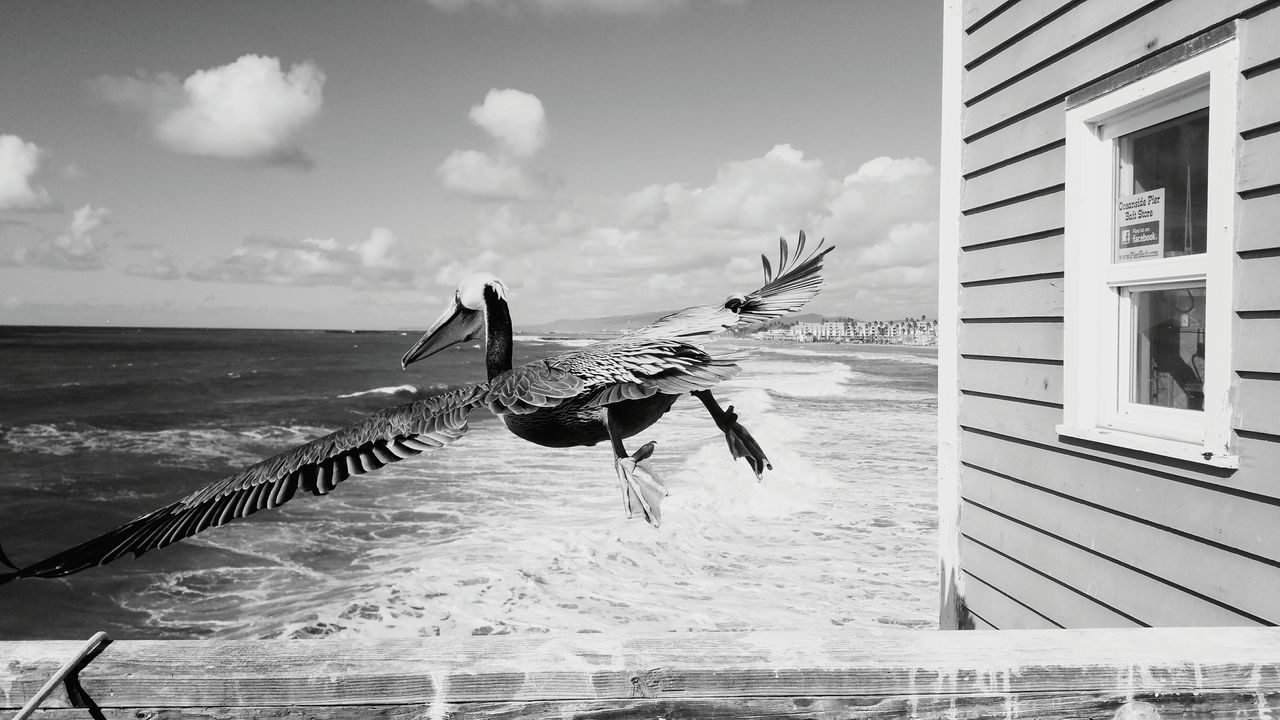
(98, 426)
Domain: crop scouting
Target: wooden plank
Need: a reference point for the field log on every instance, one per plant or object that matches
(1016, 19)
(1153, 33)
(1107, 583)
(1000, 609)
(1258, 166)
(1259, 103)
(1256, 288)
(1030, 133)
(1036, 423)
(1258, 403)
(1049, 597)
(1256, 345)
(1011, 378)
(1038, 256)
(1193, 509)
(980, 624)
(1049, 706)
(1031, 174)
(1243, 584)
(1026, 299)
(1260, 40)
(1061, 33)
(1031, 340)
(1259, 219)
(975, 11)
(433, 672)
(1036, 215)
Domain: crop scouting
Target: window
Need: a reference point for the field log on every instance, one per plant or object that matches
(1149, 236)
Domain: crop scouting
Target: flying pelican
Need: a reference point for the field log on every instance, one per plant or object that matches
(609, 390)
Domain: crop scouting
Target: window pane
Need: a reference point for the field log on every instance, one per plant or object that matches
(1169, 347)
(1163, 189)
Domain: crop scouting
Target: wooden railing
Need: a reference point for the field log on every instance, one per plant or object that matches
(1204, 672)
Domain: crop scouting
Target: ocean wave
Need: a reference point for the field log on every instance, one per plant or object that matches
(798, 379)
(184, 447)
(398, 390)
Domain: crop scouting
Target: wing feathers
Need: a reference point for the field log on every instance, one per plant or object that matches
(318, 466)
(797, 280)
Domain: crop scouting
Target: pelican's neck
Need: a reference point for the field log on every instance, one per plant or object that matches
(497, 345)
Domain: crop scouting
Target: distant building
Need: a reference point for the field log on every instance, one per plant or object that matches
(893, 332)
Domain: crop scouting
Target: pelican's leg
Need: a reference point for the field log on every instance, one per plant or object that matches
(741, 444)
(642, 487)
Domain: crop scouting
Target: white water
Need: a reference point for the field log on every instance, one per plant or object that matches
(496, 535)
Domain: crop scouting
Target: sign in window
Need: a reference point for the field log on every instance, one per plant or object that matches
(1163, 189)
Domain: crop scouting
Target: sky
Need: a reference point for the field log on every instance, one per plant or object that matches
(344, 165)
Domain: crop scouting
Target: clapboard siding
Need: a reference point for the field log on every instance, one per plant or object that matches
(1049, 41)
(1257, 283)
(1033, 216)
(1033, 256)
(980, 12)
(1049, 597)
(1014, 21)
(1194, 509)
(1240, 583)
(1000, 608)
(1256, 168)
(1035, 423)
(1033, 173)
(979, 623)
(1258, 404)
(1041, 297)
(1033, 132)
(1255, 349)
(1033, 340)
(1260, 41)
(1163, 27)
(1259, 223)
(1041, 382)
(1086, 575)
(1068, 531)
(1258, 96)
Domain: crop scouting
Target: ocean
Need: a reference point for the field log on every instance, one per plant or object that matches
(489, 535)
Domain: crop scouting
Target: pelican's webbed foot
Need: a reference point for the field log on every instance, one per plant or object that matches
(642, 488)
(741, 444)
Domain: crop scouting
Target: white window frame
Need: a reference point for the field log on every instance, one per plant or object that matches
(1096, 404)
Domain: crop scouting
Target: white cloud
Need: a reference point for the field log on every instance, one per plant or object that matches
(482, 175)
(515, 119)
(72, 249)
(19, 162)
(250, 110)
(780, 189)
(517, 123)
(374, 262)
(665, 246)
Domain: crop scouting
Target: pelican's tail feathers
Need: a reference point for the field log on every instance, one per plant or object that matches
(798, 280)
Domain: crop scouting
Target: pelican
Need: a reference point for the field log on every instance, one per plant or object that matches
(610, 390)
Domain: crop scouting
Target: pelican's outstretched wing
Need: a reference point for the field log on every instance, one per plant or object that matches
(798, 280)
(316, 467)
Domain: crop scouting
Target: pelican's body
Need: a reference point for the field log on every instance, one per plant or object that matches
(610, 390)
(575, 424)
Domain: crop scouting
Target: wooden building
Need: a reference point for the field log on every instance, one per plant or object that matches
(1110, 313)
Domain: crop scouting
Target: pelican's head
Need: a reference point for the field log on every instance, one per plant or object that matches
(463, 319)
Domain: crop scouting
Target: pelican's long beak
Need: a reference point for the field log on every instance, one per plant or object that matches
(457, 324)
